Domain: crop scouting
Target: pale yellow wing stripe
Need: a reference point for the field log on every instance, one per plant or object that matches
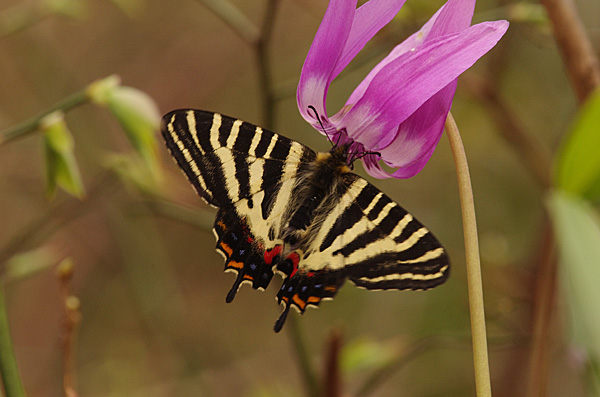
(407, 276)
(188, 157)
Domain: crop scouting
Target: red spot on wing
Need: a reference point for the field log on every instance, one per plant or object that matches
(295, 258)
(272, 253)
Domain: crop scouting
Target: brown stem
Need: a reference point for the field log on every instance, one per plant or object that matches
(332, 381)
(267, 94)
(72, 316)
(577, 52)
(544, 297)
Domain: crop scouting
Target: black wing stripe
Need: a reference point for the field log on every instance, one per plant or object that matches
(244, 141)
(181, 144)
(263, 143)
(226, 129)
(242, 175)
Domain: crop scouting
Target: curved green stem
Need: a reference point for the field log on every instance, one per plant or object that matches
(9, 370)
(28, 126)
(480, 353)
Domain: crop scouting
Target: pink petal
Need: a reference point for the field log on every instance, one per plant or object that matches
(407, 82)
(368, 20)
(322, 58)
(418, 136)
(373, 168)
(452, 17)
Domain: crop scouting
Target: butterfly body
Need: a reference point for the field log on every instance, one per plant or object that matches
(287, 209)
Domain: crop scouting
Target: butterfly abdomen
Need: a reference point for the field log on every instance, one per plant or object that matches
(313, 195)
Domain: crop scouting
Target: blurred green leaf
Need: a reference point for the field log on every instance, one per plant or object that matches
(67, 8)
(130, 7)
(136, 112)
(577, 230)
(578, 167)
(531, 13)
(363, 354)
(133, 171)
(61, 166)
(29, 263)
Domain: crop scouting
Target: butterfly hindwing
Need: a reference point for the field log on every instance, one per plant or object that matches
(381, 245)
(284, 208)
(365, 236)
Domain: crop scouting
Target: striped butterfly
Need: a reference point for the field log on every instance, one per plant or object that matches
(284, 208)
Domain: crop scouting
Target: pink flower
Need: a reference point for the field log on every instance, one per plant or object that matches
(397, 112)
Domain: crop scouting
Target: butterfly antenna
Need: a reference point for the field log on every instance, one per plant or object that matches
(316, 115)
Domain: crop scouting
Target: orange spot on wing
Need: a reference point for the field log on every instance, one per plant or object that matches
(236, 265)
(313, 299)
(248, 277)
(299, 302)
(330, 288)
(226, 248)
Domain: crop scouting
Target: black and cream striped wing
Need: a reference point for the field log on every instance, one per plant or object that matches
(369, 239)
(249, 174)
(379, 243)
(228, 160)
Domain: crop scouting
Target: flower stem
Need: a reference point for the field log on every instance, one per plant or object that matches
(480, 353)
(9, 370)
(28, 126)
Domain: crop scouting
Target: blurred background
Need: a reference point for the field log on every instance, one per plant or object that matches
(152, 318)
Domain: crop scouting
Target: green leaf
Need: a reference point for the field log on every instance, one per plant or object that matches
(140, 119)
(29, 263)
(61, 166)
(136, 112)
(577, 230)
(578, 166)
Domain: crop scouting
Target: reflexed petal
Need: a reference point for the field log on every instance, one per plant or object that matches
(420, 131)
(323, 56)
(452, 17)
(373, 168)
(368, 20)
(418, 136)
(407, 82)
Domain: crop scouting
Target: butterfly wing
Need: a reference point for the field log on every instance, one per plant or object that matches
(249, 174)
(368, 238)
(254, 177)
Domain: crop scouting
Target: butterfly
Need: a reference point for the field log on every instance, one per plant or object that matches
(284, 208)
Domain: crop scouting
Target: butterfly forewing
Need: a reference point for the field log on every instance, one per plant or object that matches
(284, 208)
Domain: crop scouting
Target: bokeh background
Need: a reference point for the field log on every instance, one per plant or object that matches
(154, 321)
